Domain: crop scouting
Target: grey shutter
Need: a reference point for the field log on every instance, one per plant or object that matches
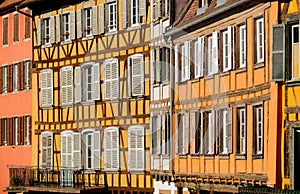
(72, 25)
(129, 78)
(124, 14)
(102, 18)
(58, 30)
(96, 81)
(193, 132)
(158, 132)
(176, 64)
(186, 132)
(70, 82)
(63, 150)
(79, 23)
(158, 66)
(38, 32)
(137, 73)
(142, 7)
(229, 129)
(97, 149)
(52, 29)
(278, 53)
(78, 84)
(95, 20)
(77, 150)
(215, 61)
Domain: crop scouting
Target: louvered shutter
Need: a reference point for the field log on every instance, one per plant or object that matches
(10, 78)
(21, 76)
(124, 13)
(115, 146)
(219, 128)
(58, 29)
(96, 81)
(43, 83)
(187, 59)
(43, 150)
(97, 149)
(107, 150)
(229, 129)
(76, 150)
(159, 8)
(114, 80)
(186, 133)
(152, 68)
(78, 84)
(52, 29)
(47, 150)
(129, 77)
(102, 18)
(158, 132)
(137, 74)
(79, 23)
(176, 64)
(70, 82)
(50, 88)
(95, 20)
(215, 62)
(107, 80)
(63, 86)
(38, 32)
(158, 66)
(278, 53)
(140, 154)
(132, 151)
(202, 54)
(63, 150)
(229, 29)
(72, 25)
(177, 120)
(142, 7)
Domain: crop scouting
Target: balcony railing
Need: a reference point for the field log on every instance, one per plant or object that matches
(27, 178)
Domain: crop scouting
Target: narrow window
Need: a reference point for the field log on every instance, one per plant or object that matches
(165, 134)
(87, 75)
(88, 21)
(112, 17)
(111, 149)
(66, 26)
(226, 50)
(208, 133)
(180, 132)
(155, 132)
(197, 134)
(259, 40)
(16, 128)
(136, 148)
(295, 52)
(16, 30)
(111, 79)
(136, 75)
(5, 131)
(46, 85)
(210, 55)
(27, 25)
(258, 130)
(66, 85)
(242, 45)
(224, 131)
(135, 15)
(46, 30)
(4, 79)
(26, 74)
(27, 130)
(46, 154)
(15, 77)
(241, 131)
(5, 31)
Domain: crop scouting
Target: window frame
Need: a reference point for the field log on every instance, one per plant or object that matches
(15, 72)
(16, 27)
(260, 42)
(87, 28)
(241, 129)
(112, 149)
(66, 18)
(135, 17)
(258, 127)
(110, 62)
(112, 17)
(139, 151)
(47, 148)
(27, 130)
(4, 79)
(27, 74)
(242, 46)
(5, 25)
(46, 27)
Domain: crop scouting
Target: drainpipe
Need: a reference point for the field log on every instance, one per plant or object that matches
(171, 103)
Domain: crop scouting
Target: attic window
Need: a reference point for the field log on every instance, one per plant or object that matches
(203, 4)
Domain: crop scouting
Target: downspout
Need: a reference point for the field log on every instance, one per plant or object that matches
(171, 104)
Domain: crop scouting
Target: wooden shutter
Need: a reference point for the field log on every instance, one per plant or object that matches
(63, 150)
(20, 76)
(10, 78)
(58, 21)
(153, 128)
(78, 84)
(186, 132)
(47, 149)
(114, 79)
(107, 80)
(63, 86)
(70, 93)
(205, 133)
(111, 150)
(219, 130)
(215, 63)
(29, 74)
(124, 14)
(52, 29)
(140, 151)
(137, 74)
(96, 81)
(176, 64)
(152, 68)
(229, 129)
(230, 45)
(142, 7)
(177, 123)
(72, 26)
(38, 32)
(158, 66)
(202, 54)
(187, 60)
(50, 88)
(77, 150)
(79, 23)
(132, 151)
(95, 20)
(96, 150)
(102, 18)
(21, 131)
(129, 77)
(278, 53)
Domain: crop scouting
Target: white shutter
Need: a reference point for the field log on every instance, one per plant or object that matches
(124, 14)
(49, 88)
(102, 18)
(111, 150)
(63, 86)
(38, 32)
(129, 77)
(72, 25)
(77, 150)
(142, 7)
(186, 132)
(229, 129)
(70, 85)
(132, 158)
(152, 66)
(176, 64)
(197, 58)
(107, 80)
(97, 149)
(63, 150)
(202, 54)
(95, 20)
(52, 29)
(43, 81)
(229, 47)
(107, 150)
(158, 132)
(46, 149)
(115, 146)
(114, 79)
(96, 81)
(136, 154)
(193, 132)
(137, 73)
(215, 52)
(187, 60)
(79, 23)
(58, 30)
(158, 63)
(78, 84)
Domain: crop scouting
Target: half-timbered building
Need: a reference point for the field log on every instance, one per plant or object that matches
(225, 125)
(15, 90)
(91, 88)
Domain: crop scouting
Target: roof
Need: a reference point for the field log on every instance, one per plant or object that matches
(5, 5)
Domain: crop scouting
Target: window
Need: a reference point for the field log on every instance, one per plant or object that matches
(156, 130)
(208, 133)
(70, 143)
(185, 61)
(136, 149)
(112, 16)
(46, 31)
(295, 52)
(46, 85)
(226, 41)
(4, 79)
(136, 75)
(15, 77)
(199, 57)
(27, 25)
(259, 24)
(111, 79)
(160, 134)
(87, 82)
(160, 9)
(5, 30)
(165, 134)
(91, 149)
(258, 130)
(135, 15)
(225, 144)
(202, 3)
(111, 149)
(26, 74)
(241, 131)
(213, 54)
(132, 12)
(27, 130)
(66, 85)
(4, 132)
(46, 154)
(196, 133)
(66, 27)
(242, 46)
(183, 133)
(16, 30)
(88, 21)
(16, 128)
(160, 66)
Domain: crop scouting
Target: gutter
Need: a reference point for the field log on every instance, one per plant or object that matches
(175, 30)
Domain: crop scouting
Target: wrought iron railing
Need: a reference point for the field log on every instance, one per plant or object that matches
(56, 177)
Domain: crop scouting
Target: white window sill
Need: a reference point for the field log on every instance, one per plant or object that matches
(89, 37)
(26, 39)
(15, 91)
(46, 45)
(46, 107)
(5, 45)
(111, 33)
(141, 171)
(66, 105)
(66, 42)
(16, 42)
(4, 93)
(87, 103)
(135, 27)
